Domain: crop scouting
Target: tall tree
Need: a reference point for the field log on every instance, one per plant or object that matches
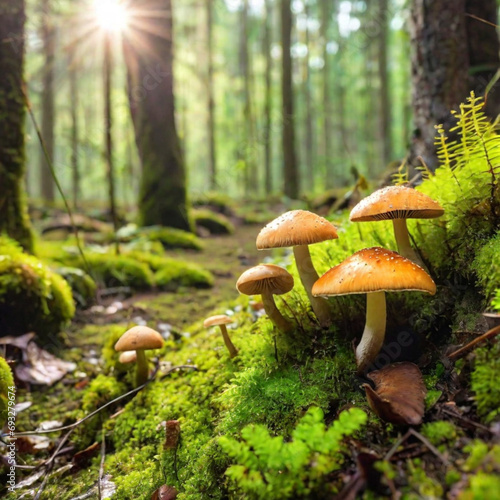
(290, 167)
(440, 64)
(13, 210)
(148, 47)
(309, 139)
(73, 91)
(268, 97)
(48, 112)
(210, 94)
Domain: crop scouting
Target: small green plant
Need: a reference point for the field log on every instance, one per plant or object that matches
(439, 432)
(272, 468)
(495, 302)
(6, 385)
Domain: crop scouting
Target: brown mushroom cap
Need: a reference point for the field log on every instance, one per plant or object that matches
(265, 277)
(298, 227)
(127, 357)
(220, 319)
(374, 270)
(139, 337)
(396, 202)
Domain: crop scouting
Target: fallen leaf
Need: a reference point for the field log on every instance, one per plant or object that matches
(173, 429)
(399, 394)
(108, 488)
(165, 493)
(20, 342)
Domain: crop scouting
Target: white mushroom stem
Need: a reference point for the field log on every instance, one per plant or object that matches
(309, 276)
(142, 370)
(230, 346)
(274, 314)
(374, 332)
(403, 240)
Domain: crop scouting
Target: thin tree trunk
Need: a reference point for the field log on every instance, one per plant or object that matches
(290, 170)
(73, 90)
(309, 142)
(48, 115)
(268, 98)
(13, 209)
(149, 59)
(210, 95)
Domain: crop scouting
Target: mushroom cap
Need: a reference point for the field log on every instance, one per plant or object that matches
(127, 357)
(220, 319)
(396, 202)
(297, 227)
(139, 337)
(265, 277)
(374, 270)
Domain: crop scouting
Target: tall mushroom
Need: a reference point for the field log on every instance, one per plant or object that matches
(299, 229)
(140, 339)
(221, 320)
(397, 203)
(373, 271)
(268, 280)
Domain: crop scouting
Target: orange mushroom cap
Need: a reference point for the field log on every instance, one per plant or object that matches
(374, 270)
(396, 202)
(297, 227)
(265, 277)
(139, 337)
(219, 319)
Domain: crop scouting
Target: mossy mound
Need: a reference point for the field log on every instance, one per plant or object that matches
(83, 287)
(214, 223)
(32, 297)
(218, 202)
(6, 386)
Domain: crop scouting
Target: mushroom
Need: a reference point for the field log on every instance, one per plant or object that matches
(127, 357)
(268, 280)
(397, 203)
(140, 339)
(298, 229)
(221, 321)
(373, 271)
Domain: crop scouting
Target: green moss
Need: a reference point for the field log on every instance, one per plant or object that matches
(219, 202)
(482, 487)
(440, 431)
(422, 485)
(215, 223)
(6, 386)
(32, 297)
(487, 266)
(484, 379)
(82, 285)
(100, 391)
(171, 238)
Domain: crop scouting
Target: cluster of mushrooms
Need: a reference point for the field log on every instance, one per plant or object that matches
(373, 271)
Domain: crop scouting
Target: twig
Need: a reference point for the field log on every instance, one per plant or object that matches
(460, 353)
(430, 446)
(468, 421)
(398, 443)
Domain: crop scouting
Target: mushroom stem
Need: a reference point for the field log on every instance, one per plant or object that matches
(374, 332)
(309, 276)
(142, 371)
(403, 240)
(230, 346)
(274, 314)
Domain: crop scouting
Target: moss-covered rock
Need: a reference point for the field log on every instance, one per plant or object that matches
(218, 202)
(32, 297)
(214, 223)
(6, 386)
(83, 287)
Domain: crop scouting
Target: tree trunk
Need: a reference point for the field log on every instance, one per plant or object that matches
(48, 115)
(309, 142)
(73, 90)
(210, 95)
(383, 74)
(483, 51)
(290, 170)
(149, 59)
(268, 98)
(440, 66)
(13, 210)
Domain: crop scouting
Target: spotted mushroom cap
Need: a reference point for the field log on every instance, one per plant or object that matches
(297, 227)
(139, 337)
(265, 277)
(219, 319)
(396, 202)
(373, 270)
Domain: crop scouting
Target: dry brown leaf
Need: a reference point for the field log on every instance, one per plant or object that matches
(165, 493)
(399, 394)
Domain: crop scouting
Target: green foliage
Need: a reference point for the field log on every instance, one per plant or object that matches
(82, 285)
(268, 467)
(487, 266)
(215, 223)
(495, 302)
(100, 391)
(439, 432)
(32, 297)
(481, 487)
(421, 482)
(484, 378)
(6, 384)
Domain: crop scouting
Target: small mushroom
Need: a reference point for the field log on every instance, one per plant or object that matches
(373, 271)
(268, 280)
(399, 394)
(299, 229)
(221, 321)
(127, 357)
(140, 339)
(398, 203)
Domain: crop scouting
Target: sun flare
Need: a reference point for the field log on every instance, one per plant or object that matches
(111, 15)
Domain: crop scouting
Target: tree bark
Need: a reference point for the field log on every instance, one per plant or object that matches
(210, 95)
(73, 90)
(149, 59)
(309, 142)
(268, 98)
(290, 170)
(13, 210)
(440, 66)
(48, 113)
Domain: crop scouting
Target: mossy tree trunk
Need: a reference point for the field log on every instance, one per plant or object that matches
(13, 211)
(148, 47)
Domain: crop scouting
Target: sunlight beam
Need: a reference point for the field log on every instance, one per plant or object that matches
(111, 15)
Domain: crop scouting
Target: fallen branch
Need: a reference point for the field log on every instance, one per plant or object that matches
(460, 353)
